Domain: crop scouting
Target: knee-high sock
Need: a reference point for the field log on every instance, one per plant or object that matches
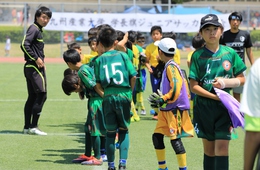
(88, 144)
(110, 146)
(181, 158)
(221, 162)
(209, 162)
(96, 146)
(140, 100)
(133, 109)
(124, 143)
(160, 154)
(102, 145)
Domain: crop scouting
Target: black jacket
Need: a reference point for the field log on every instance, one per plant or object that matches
(32, 44)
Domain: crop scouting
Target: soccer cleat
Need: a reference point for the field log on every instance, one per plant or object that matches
(111, 168)
(163, 169)
(25, 131)
(81, 158)
(93, 161)
(36, 131)
(104, 157)
(136, 118)
(121, 167)
(143, 112)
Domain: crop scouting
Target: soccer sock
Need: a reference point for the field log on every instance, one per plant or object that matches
(88, 144)
(140, 100)
(124, 143)
(181, 158)
(160, 153)
(209, 162)
(133, 109)
(96, 146)
(102, 145)
(221, 162)
(110, 146)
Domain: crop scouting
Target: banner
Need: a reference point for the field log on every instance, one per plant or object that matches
(138, 22)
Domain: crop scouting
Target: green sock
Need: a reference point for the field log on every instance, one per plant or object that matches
(209, 162)
(221, 162)
(110, 146)
(88, 144)
(96, 146)
(124, 143)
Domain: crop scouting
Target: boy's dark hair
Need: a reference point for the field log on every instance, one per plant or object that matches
(139, 35)
(68, 83)
(42, 10)
(92, 39)
(71, 56)
(120, 36)
(197, 41)
(68, 71)
(132, 36)
(154, 28)
(92, 32)
(73, 45)
(169, 35)
(107, 36)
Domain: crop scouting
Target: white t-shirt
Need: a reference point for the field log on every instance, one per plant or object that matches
(250, 103)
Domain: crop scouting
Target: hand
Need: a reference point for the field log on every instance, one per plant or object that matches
(81, 95)
(39, 62)
(218, 83)
(156, 100)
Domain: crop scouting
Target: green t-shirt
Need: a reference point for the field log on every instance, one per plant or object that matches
(206, 66)
(114, 69)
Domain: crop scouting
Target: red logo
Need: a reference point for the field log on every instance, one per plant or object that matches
(226, 65)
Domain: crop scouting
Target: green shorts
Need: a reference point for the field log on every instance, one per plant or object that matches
(116, 109)
(211, 120)
(252, 123)
(95, 123)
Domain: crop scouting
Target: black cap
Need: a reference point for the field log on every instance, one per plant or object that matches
(210, 19)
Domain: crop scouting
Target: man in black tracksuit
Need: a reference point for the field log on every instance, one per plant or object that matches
(34, 71)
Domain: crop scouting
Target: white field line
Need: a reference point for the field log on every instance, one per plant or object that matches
(48, 134)
(51, 100)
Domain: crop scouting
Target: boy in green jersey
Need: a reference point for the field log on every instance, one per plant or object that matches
(115, 74)
(95, 125)
(211, 66)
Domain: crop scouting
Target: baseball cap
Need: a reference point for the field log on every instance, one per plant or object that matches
(210, 19)
(167, 45)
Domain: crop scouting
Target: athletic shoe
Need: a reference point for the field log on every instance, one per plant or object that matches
(36, 131)
(111, 168)
(132, 119)
(163, 169)
(152, 112)
(143, 112)
(25, 131)
(155, 117)
(93, 161)
(81, 158)
(117, 145)
(104, 157)
(136, 118)
(120, 167)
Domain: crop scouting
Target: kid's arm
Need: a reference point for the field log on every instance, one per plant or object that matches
(121, 44)
(132, 82)
(99, 89)
(197, 89)
(250, 56)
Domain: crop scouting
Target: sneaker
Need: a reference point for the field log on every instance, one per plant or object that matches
(81, 158)
(155, 117)
(132, 119)
(143, 112)
(152, 112)
(136, 118)
(104, 157)
(163, 169)
(120, 167)
(117, 145)
(93, 161)
(111, 168)
(25, 131)
(36, 131)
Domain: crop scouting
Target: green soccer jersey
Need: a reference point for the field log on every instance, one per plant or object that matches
(114, 69)
(206, 66)
(87, 77)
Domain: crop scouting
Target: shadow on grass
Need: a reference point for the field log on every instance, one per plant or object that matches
(10, 132)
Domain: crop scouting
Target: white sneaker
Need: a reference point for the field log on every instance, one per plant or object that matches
(143, 112)
(25, 131)
(36, 131)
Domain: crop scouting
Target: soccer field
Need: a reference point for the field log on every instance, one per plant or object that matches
(63, 118)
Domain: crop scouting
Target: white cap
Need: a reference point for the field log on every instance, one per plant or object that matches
(167, 45)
